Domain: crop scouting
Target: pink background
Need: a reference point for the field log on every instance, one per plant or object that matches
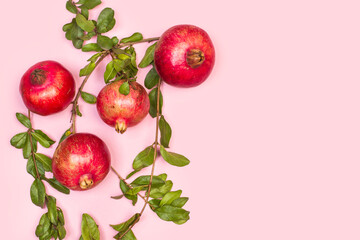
(273, 135)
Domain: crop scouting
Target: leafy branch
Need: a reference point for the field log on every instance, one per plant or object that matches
(51, 224)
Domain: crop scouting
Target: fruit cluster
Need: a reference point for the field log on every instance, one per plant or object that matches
(182, 57)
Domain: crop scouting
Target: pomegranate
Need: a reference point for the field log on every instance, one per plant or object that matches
(81, 161)
(122, 111)
(184, 56)
(47, 88)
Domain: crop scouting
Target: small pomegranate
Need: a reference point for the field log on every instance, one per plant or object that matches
(184, 56)
(122, 111)
(47, 88)
(81, 161)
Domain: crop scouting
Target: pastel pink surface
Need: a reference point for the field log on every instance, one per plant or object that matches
(273, 135)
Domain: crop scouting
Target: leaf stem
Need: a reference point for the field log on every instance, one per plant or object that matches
(153, 165)
(32, 148)
(78, 94)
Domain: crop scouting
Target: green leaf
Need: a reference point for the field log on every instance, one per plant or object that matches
(57, 185)
(91, 47)
(89, 229)
(65, 135)
(165, 132)
(128, 236)
(155, 203)
(85, 12)
(88, 36)
(30, 167)
(67, 27)
(133, 38)
(124, 188)
(145, 180)
(27, 147)
(43, 229)
(52, 209)
(105, 21)
(115, 40)
(87, 97)
(135, 190)
(122, 227)
(23, 119)
(46, 137)
(70, 6)
(159, 192)
(131, 174)
(94, 57)
(61, 216)
(151, 79)
(174, 158)
(170, 197)
(144, 159)
(104, 42)
(148, 57)
(90, 4)
(180, 202)
(37, 193)
(19, 140)
(43, 141)
(61, 231)
(84, 24)
(78, 43)
(171, 213)
(87, 70)
(78, 111)
(153, 102)
(34, 144)
(110, 72)
(45, 161)
(124, 88)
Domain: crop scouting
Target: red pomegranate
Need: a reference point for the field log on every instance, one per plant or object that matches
(81, 161)
(184, 56)
(122, 111)
(47, 88)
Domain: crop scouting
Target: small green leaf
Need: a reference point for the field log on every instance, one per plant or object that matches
(117, 197)
(110, 72)
(88, 36)
(45, 161)
(171, 213)
(37, 193)
(30, 167)
(61, 231)
(133, 38)
(65, 135)
(94, 57)
(105, 21)
(24, 120)
(19, 140)
(155, 203)
(52, 209)
(174, 158)
(87, 97)
(145, 180)
(87, 70)
(46, 137)
(90, 4)
(170, 197)
(122, 227)
(124, 88)
(165, 132)
(91, 47)
(43, 141)
(27, 147)
(57, 185)
(148, 57)
(89, 228)
(144, 159)
(70, 6)
(85, 12)
(128, 236)
(34, 144)
(67, 27)
(159, 192)
(180, 202)
(61, 216)
(115, 40)
(151, 79)
(84, 24)
(78, 111)
(43, 229)
(135, 190)
(104, 42)
(153, 102)
(78, 43)
(124, 188)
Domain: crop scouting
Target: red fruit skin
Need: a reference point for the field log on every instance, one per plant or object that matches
(170, 56)
(118, 110)
(78, 155)
(47, 88)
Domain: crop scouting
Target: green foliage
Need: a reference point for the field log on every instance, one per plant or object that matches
(123, 227)
(144, 159)
(37, 192)
(110, 72)
(57, 185)
(87, 70)
(19, 140)
(106, 20)
(89, 228)
(124, 188)
(87, 97)
(152, 79)
(124, 88)
(84, 24)
(91, 47)
(148, 57)
(104, 42)
(133, 38)
(45, 161)
(24, 120)
(153, 102)
(165, 132)
(174, 158)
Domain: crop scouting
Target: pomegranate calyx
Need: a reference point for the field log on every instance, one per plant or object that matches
(195, 57)
(86, 181)
(38, 76)
(120, 126)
